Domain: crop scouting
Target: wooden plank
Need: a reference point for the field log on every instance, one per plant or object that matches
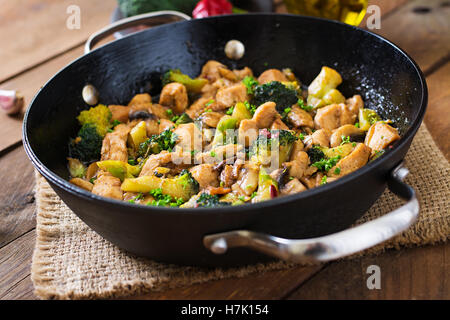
(41, 26)
(29, 84)
(22, 290)
(423, 35)
(16, 197)
(15, 261)
(436, 117)
(417, 273)
(386, 8)
(256, 286)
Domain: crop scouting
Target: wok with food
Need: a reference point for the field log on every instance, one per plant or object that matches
(193, 157)
(226, 138)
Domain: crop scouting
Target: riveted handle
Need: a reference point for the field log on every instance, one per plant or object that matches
(152, 18)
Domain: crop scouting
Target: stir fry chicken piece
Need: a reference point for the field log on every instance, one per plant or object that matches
(380, 135)
(152, 126)
(114, 145)
(189, 137)
(292, 187)
(347, 130)
(208, 92)
(174, 95)
(272, 75)
(210, 70)
(227, 177)
(300, 118)
(155, 160)
(141, 99)
(165, 124)
(119, 113)
(333, 116)
(278, 124)
(355, 160)
(298, 164)
(137, 198)
(265, 115)
(86, 185)
(247, 180)
(229, 96)
(196, 109)
(248, 132)
(297, 147)
(205, 175)
(227, 152)
(107, 185)
(159, 111)
(354, 104)
(319, 137)
(245, 72)
(227, 74)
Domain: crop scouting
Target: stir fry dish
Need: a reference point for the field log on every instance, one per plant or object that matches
(226, 138)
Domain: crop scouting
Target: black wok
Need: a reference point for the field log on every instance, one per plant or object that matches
(387, 78)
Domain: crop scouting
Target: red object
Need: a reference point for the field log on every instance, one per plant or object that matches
(273, 191)
(208, 8)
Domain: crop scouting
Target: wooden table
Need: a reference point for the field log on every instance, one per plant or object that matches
(36, 44)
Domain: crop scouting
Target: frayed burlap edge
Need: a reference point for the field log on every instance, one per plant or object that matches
(119, 278)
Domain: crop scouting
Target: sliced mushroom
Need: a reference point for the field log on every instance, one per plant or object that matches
(281, 175)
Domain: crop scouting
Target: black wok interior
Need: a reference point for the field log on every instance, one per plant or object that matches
(135, 64)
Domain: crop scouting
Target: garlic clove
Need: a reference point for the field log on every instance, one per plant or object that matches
(11, 101)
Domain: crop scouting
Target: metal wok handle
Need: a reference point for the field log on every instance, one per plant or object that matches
(332, 246)
(152, 18)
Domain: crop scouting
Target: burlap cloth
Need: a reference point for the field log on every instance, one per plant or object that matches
(71, 261)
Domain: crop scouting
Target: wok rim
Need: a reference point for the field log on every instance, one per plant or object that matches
(240, 209)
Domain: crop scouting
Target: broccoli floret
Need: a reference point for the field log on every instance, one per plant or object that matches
(250, 83)
(320, 160)
(261, 149)
(286, 137)
(209, 201)
(166, 140)
(175, 75)
(184, 118)
(266, 138)
(315, 154)
(87, 146)
(326, 164)
(99, 116)
(76, 168)
(277, 92)
(186, 180)
(164, 200)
